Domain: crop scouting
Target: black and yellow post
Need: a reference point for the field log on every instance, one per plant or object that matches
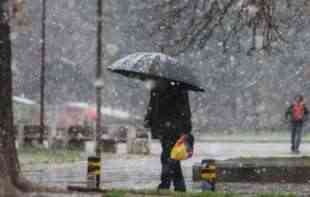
(208, 175)
(93, 172)
(93, 177)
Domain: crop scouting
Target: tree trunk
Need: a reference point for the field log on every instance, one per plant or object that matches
(9, 165)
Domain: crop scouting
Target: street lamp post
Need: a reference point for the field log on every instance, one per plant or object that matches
(99, 82)
(99, 85)
(94, 162)
(42, 78)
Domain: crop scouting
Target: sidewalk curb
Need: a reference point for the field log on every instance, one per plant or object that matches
(249, 141)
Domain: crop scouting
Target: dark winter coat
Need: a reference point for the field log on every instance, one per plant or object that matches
(169, 113)
(289, 114)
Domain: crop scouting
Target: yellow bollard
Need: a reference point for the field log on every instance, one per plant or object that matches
(93, 172)
(208, 174)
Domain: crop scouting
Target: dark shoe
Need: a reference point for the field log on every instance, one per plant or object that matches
(293, 148)
(162, 187)
(179, 186)
(180, 189)
(295, 151)
(162, 190)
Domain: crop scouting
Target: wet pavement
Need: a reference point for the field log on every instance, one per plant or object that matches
(142, 172)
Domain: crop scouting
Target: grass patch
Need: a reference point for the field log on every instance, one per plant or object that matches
(31, 155)
(115, 194)
(275, 195)
(154, 193)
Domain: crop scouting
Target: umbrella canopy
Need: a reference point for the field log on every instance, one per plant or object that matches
(146, 66)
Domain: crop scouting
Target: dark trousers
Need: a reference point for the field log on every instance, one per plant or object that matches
(171, 169)
(296, 135)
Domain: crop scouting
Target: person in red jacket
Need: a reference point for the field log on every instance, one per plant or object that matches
(298, 114)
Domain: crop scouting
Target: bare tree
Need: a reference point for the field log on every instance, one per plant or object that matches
(190, 24)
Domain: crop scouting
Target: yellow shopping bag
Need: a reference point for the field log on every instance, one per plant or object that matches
(180, 150)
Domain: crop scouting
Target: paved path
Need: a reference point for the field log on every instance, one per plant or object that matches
(137, 172)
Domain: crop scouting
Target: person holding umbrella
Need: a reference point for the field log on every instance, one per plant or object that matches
(168, 114)
(169, 117)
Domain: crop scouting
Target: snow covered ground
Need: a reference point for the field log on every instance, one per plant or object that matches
(142, 172)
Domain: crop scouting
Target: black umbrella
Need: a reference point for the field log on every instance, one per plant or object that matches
(156, 66)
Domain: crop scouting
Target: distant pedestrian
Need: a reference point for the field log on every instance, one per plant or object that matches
(297, 113)
(169, 118)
